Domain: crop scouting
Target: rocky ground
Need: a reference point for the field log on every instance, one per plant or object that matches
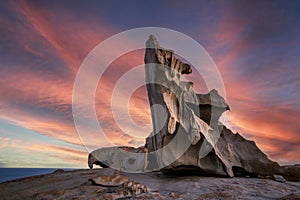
(76, 185)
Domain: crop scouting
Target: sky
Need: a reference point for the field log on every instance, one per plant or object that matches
(255, 45)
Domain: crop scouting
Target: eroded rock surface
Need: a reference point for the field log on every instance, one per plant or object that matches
(188, 136)
(291, 172)
(118, 186)
(109, 181)
(75, 184)
(123, 158)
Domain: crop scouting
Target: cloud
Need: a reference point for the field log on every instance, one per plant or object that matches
(47, 155)
(72, 41)
(40, 99)
(253, 44)
(256, 58)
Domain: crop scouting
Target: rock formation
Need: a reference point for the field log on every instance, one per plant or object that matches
(118, 186)
(187, 136)
(75, 184)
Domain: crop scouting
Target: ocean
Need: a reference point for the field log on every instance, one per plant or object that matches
(7, 174)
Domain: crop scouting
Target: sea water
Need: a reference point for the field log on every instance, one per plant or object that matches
(7, 174)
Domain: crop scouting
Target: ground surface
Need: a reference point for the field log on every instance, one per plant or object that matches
(76, 185)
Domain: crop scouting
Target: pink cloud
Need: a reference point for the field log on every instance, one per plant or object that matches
(41, 99)
(51, 154)
(255, 113)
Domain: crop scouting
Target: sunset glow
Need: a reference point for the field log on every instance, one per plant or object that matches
(255, 44)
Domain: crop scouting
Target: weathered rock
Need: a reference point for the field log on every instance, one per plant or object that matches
(243, 158)
(70, 185)
(133, 188)
(207, 103)
(118, 186)
(279, 178)
(110, 181)
(197, 143)
(291, 196)
(196, 116)
(119, 158)
(291, 172)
